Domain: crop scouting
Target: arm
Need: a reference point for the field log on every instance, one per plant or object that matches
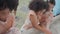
(8, 24)
(27, 26)
(38, 27)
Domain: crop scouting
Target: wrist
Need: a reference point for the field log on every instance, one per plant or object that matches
(48, 32)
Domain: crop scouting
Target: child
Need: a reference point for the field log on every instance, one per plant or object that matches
(6, 18)
(51, 4)
(33, 24)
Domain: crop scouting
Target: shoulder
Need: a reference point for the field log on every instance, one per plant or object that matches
(32, 15)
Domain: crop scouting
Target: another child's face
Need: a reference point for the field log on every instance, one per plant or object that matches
(51, 6)
(4, 14)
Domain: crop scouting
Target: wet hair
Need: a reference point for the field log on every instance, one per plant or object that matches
(37, 5)
(52, 1)
(10, 4)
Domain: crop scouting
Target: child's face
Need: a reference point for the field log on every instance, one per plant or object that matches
(51, 6)
(4, 14)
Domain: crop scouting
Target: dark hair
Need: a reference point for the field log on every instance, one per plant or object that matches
(52, 2)
(37, 5)
(11, 4)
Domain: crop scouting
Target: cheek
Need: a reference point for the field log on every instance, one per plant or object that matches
(52, 7)
(3, 17)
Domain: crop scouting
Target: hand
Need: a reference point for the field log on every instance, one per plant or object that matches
(46, 31)
(43, 19)
(46, 18)
(10, 21)
(11, 18)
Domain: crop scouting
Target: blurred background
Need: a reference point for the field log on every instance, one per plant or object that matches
(22, 12)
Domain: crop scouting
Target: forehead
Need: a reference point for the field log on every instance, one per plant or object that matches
(4, 11)
(51, 4)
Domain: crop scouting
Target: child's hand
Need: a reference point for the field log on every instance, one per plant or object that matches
(46, 18)
(10, 21)
(46, 31)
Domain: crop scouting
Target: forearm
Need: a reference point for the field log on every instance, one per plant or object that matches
(43, 29)
(38, 27)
